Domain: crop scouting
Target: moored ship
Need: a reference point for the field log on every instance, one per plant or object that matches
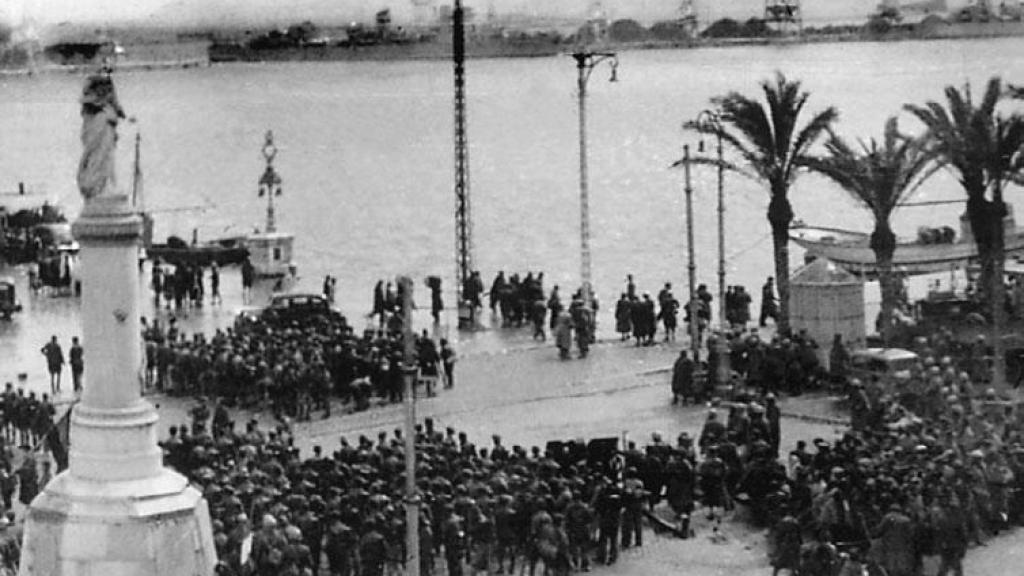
(306, 42)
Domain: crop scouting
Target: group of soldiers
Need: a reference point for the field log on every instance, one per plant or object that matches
(26, 419)
(931, 464)
(294, 369)
(484, 509)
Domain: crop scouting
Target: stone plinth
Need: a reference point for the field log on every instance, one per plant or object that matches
(270, 253)
(116, 511)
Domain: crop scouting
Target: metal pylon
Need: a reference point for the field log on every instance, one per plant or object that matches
(463, 214)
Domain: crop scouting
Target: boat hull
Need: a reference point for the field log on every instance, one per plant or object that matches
(855, 255)
(197, 255)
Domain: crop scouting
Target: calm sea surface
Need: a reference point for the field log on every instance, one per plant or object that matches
(367, 161)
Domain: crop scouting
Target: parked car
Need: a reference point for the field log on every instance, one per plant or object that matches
(8, 299)
(887, 364)
(300, 307)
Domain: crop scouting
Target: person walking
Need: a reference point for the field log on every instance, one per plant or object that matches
(248, 278)
(769, 305)
(77, 364)
(54, 363)
(448, 362)
(215, 283)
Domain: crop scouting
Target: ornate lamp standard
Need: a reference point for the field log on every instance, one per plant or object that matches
(585, 63)
(270, 182)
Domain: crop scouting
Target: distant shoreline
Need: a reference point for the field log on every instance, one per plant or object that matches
(968, 31)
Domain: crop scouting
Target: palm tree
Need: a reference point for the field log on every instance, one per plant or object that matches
(880, 176)
(772, 148)
(984, 149)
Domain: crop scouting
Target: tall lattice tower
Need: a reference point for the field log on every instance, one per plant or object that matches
(463, 214)
(786, 15)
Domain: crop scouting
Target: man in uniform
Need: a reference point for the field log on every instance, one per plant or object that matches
(453, 533)
(579, 517)
(608, 505)
(77, 364)
(633, 496)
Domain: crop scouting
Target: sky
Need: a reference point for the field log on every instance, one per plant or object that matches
(224, 11)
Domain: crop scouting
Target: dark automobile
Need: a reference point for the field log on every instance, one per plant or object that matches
(288, 308)
(8, 299)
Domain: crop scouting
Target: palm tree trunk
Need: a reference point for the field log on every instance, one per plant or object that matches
(780, 216)
(883, 243)
(987, 226)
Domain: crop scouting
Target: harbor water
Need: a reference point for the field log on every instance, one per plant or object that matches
(366, 155)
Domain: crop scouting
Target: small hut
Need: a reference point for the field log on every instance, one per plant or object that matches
(826, 300)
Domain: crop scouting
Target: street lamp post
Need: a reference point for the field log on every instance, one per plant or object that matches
(711, 119)
(412, 499)
(585, 63)
(691, 260)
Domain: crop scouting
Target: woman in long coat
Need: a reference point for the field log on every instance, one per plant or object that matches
(623, 323)
(563, 334)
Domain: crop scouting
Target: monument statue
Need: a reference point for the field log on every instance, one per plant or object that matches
(100, 114)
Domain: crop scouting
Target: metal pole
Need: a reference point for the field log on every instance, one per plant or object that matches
(585, 263)
(691, 265)
(412, 501)
(723, 324)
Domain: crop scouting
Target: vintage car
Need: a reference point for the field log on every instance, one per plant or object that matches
(8, 298)
(285, 309)
(887, 364)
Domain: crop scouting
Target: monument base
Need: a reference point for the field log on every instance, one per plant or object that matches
(158, 526)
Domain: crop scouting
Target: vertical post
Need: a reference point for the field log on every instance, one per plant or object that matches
(691, 263)
(723, 323)
(412, 500)
(585, 263)
(463, 214)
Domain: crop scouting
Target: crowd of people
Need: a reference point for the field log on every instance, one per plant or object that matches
(294, 368)
(183, 285)
(932, 463)
(484, 509)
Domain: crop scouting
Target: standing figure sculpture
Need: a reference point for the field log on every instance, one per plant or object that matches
(100, 114)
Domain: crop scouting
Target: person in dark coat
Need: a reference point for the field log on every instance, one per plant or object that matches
(786, 540)
(579, 517)
(680, 482)
(28, 481)
(897, 552)
(682, 378)
(373, 551)
(76, 359)
(608, 506)
(623, 317)
(712, 473)
(54, 363)
(555, 307)
(950, 536)
(769, 305)
(340, 548)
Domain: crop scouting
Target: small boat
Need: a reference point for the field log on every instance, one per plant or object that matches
(935, 249)
(224, 251)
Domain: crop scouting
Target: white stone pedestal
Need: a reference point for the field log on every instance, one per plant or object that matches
(116, 511)
(270, 253)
